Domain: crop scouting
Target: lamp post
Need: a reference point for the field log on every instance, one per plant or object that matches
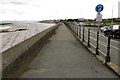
(112, 11)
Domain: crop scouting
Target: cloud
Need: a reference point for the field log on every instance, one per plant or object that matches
(15, 2)
(18, 3)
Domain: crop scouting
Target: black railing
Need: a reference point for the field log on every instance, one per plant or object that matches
(92, 38)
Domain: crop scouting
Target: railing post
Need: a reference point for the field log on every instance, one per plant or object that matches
(74, 29)
(108, 50)
(97, 52)
(88, 38)
(79, 31)
(83, 35)
(71, 27)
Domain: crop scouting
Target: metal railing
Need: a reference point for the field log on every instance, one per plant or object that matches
(91, 38)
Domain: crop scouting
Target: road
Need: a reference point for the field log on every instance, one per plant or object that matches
(65, 57)
(103, 41)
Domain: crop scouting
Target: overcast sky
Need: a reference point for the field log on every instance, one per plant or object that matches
(55, 9)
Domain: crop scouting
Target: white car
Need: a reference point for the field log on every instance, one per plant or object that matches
(116, 27)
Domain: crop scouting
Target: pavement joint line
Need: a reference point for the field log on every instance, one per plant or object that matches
(110, 65)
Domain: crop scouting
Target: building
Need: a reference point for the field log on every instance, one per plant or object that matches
(119, 9)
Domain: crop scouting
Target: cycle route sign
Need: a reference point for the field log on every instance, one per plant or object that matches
(99, 8)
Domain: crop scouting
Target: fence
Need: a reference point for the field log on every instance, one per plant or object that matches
(101, 44)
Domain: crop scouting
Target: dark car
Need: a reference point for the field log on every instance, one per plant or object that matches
(107, 31)
(113, 31)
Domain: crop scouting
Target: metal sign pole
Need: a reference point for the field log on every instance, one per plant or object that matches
(98, 8)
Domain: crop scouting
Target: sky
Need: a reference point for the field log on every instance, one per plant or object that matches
(55, 9)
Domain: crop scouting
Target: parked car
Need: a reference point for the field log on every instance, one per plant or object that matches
(107, 31)
(102, 29)
(113, 31)
(116, 31)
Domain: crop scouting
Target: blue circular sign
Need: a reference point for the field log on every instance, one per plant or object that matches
(99, 8)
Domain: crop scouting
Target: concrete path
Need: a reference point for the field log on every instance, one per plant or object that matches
(65, 57)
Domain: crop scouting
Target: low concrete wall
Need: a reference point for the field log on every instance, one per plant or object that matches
(16, 59)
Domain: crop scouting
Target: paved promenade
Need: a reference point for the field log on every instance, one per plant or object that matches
(65, 57)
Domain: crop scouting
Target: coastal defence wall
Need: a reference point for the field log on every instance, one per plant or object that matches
(16, 59)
